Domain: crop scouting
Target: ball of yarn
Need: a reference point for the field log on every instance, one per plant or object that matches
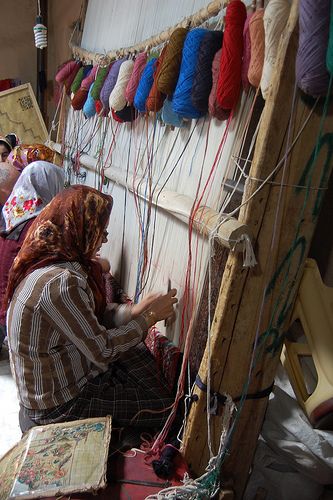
(229, 82)
(169, 116)
(99, 81)
(117, 99)
(89, 79)
(65, 70)
(115, 116)
(155, 99)
(275, 20)
(89, 109)
(246, 53)
(70, 79)
(79, 99)
(182, 103)
(257, 36)
(203, 79)
(139, 65)
(213, 106)
(311, 73)
(167, 78)
(127, 114)
(78, 79)
(110, 82)
(145, 84)
(98, 107)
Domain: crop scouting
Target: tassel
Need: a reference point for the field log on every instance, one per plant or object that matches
(248, 252)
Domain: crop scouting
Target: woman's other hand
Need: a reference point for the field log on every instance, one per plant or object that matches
(161, 308)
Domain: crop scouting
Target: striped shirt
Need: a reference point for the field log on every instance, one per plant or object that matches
(56, 341)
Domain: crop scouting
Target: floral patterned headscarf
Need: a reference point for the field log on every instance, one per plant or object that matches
(23, 155)
(67, 230)
(37, 185)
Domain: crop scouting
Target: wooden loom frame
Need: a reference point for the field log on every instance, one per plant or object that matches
(234, 326)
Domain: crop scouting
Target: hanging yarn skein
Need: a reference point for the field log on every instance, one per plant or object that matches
(169, 117)
(312, 76)
(110, 82)
(81, 95)
(214, 109)
(246, 53)
(99, 81)
(181, 101)
(167, 78)
(117, 99)
(78, 79)
(329, 55)
(229, 82)
(257, 37)
(65, 71)
(203, 78)
(145, 84)
(275, 19)
(139, 65)
(89, 108)
(155, 99)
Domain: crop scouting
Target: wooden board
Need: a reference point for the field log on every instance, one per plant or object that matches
(20, 114)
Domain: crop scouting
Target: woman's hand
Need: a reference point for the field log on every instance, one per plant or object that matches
(142, 306)
(161, 308)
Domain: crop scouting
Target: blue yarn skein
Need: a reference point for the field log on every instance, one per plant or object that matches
(169, 117)
(145, 84)
(181, 101)
(203, 77)
(89, 108)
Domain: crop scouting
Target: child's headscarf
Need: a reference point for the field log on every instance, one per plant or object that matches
(37, 185)
(23, 155)
(67, 230)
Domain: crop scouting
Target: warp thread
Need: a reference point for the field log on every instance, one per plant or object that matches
(145, 84)
(156, 98)
(213, 106)
(229, 82)
(246, 53)
(275, 19)
(167, 78)
(117, 99)
(312, 76)
(203, 78)
(181, 101)
(257, 37)
(139, 65)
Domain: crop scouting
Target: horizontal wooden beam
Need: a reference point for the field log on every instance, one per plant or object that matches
(230, 233)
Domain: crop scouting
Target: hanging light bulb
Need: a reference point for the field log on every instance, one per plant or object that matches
(40, 32)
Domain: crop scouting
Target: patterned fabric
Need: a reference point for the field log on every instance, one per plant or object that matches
(130, 390)
(34, 189)
(67, 230)
(56, 343)
(24, 154)
(166, 354)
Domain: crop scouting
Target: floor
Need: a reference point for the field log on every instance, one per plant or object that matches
(9, 406)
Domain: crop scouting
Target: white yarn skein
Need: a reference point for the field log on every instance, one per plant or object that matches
(117, 99)
(40, 32)
(275, 20)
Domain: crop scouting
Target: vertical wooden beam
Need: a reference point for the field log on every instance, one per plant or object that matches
(236, 321)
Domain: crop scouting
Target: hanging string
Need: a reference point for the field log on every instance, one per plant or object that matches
(311, 73)
(275, 20)
(257, 37)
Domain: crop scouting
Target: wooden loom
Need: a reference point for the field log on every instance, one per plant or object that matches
(240, 304)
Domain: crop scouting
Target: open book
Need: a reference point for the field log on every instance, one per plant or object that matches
(57, 459)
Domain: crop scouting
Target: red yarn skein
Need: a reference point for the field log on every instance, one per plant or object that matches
(229, 82)
(155, 99)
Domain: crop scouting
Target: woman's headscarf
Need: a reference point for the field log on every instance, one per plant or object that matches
(24, 154)
(37, 185)
(67, 230)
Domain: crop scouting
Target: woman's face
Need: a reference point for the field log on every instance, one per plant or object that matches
(4, 152)
(102, 239)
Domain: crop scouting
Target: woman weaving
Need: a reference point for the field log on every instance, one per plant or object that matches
(69, 360)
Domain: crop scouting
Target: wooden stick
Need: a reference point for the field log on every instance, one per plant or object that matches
(180, 206)
(267, 292)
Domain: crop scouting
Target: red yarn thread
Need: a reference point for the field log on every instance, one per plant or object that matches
(229, 82)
